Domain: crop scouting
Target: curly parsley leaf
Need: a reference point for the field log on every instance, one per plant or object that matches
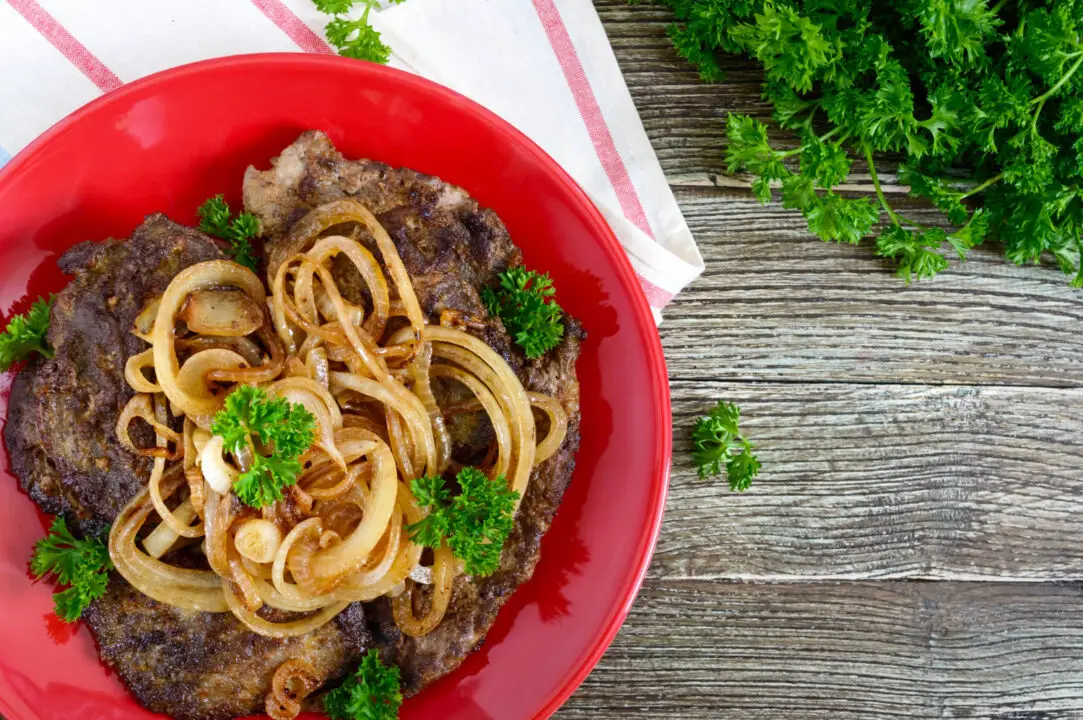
(374, 692)
(275, 431)
(983, 100)
(914, 252)
(84, 565)
(475, 523)
(524, 301)
(717, 443)
(354, 37)
(25, 334)
(216, 219)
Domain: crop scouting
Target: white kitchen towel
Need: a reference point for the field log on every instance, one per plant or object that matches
(546, 66)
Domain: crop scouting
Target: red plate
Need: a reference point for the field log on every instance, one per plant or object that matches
(170, 141)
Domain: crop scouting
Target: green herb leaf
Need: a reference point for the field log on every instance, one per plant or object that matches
(524, 301)
(25, 334)
(372, 693)
(475, 523)
(354, 37)
(215, 219)
(81, 564)
(982, 99)
(334, 7)
(717, 442)
(275, 431)
(913, 251)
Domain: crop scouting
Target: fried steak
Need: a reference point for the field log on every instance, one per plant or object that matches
(62, 415)
(452, 248)
(61, 436)
(207, 666)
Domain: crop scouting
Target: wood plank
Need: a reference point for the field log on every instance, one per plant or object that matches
(792, 308)
(777, 303)
(880, 481)
(712, 649)
(685, 117)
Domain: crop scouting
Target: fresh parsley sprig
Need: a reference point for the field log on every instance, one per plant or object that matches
(717, 442)
(524, 301)
(372, 693)
(355, 37)
(983, 101)
(25, 334)
(475, 523)
(283, 431)
(83, 565)
(216, 219)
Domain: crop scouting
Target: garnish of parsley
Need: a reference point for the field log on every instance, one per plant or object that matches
(355, 37)
(717, 442)
(83, 565)
(524, 301)
(475, 523)
(25, 334)
(284, 430)
(372, 693)
(216, 219)
(981, 99)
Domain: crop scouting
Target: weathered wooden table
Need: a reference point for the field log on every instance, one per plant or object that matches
(913, 545)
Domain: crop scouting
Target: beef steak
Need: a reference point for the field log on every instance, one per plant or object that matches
(452, 248)
(207, 666)
(62, 414)
(61, 435)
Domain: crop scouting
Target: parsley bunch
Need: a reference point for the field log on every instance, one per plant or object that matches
(283, 428)
(983, 102)
(475, 523)
(717, 441)
(372, 693)
(354, 37)
(25, 334)
(84, 565)
(524, 301)
(215, 219)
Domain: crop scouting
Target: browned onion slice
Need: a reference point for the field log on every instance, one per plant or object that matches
(221, 313)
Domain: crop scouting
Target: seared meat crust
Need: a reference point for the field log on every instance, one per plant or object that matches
(207, 666)
(451, 248)
(60, 431)
(61, 434)
(62, 416)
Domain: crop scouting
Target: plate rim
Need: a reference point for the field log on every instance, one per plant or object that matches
(601, 231)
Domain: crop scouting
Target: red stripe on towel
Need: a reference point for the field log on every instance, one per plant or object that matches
(587, 103)
(288, 22)
(75, 52)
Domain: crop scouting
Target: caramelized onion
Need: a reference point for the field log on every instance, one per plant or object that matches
(293, 681)
(216, 471)
(558, 425)
(139, 406)
(144, 321)
(163, 537)
(443, 579)
(213, 273)
(340, 534)
(258, 540)
(221, 313)
(133, 372)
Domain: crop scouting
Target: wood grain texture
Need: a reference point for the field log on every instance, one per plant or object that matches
(882, 481)
(826, 651)
(686, 118)
(922, 447)
(776, 303)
